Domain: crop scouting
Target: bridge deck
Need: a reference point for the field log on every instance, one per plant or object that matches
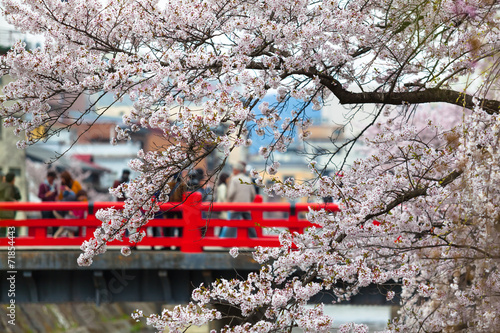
(144, 276)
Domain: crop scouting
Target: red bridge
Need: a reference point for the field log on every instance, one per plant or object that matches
(46, 268)
(197, 230)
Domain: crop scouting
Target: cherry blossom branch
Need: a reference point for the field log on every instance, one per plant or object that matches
(418, 192)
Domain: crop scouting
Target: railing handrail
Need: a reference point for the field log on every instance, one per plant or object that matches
(174, 206)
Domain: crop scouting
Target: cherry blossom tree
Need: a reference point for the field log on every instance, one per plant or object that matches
(421, 210)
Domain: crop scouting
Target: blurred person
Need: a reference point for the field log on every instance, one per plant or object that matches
(125, 178)
(68, 183)
(8, 192)
(80, 213)
(221, 196)
(193, 181)
(67, 192)
(221, 193)
(47, 192)
(239, 189)
(67, 195)
(176, 195)
(205, 189)
(71, 231)
(177, 190)
(196, 183)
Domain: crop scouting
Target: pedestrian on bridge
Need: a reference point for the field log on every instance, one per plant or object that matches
(239, 189)
(68, 190)
(177, 190)
(8, 192)
(72, 231)
(47, 192)
(221, 193)
(68, 183)
(125, 178)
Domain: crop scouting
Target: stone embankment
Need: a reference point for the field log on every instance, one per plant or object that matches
(80, 318)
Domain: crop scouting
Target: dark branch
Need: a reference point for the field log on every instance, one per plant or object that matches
(411, 97)
(414, 194)
(429, 95)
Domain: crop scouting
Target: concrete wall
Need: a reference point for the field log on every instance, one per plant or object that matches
(81, 318)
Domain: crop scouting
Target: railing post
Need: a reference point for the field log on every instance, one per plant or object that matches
(191, 236)
(37, 232)
(258, 216)
(40, 232)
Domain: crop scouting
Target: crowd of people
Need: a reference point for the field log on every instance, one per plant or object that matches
(63, 187)
(67, 189)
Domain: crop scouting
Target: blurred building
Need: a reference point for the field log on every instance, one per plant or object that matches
(11, 158)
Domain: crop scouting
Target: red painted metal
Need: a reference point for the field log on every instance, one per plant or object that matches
(198, 231)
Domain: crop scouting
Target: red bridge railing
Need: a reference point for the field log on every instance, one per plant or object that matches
(197, 229)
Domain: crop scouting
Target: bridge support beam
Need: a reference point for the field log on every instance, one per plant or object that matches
(167, 277)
